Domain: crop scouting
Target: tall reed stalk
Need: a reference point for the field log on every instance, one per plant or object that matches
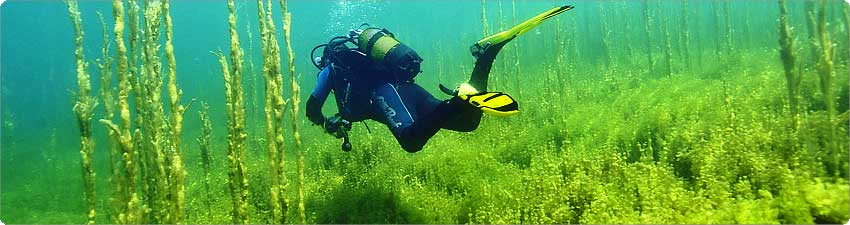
(140, 143)
(606, 50)
(625, 39)
(274, 109)
(206, 159)
(825, 70)
(295, 101)
(668, 48)
(501, 77)
(155, 128)
(647, 30)
(485, 29)
(729, 31)
(574, 53)
(131, 211)
(558, 68)
(846, 13)
(116, 182)
(718, 35)
(686, 35)
(788, 56)
(811, 29)
(236, 135)
(177, 175)
(518, 73)
(84, 109)
(252, 90)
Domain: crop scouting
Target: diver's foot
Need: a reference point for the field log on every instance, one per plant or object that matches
(492, 103)
(466, 89)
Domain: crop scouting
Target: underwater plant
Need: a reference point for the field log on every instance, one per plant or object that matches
(647, 30)
(668, 52)
(206, 159)
(825, 71)
(686, 36)
(116, 179)
(178, 173)
(84, 110)
(787, 54)
(516, 54)
(274, 110)
(615, 128)
(484, 26)
(237, 174)
(165, 200)
(131, 209)
(295, 101)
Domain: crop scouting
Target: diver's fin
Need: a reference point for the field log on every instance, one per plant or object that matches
(518, 30)
(493, 103)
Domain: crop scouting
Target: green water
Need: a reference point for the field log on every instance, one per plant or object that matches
(631, 112)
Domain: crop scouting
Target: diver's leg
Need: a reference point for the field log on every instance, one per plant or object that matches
(452, 114)
(399, 118)
(483, 64)
(466, 119)
(485, 50)
(413, 115)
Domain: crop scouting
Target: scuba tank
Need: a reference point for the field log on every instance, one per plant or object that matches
(382, 47)
(377, 45)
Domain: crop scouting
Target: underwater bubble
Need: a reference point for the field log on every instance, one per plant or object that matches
(347, 14)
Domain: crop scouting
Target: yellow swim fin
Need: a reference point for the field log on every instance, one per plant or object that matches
(521, 28)
(493, 103)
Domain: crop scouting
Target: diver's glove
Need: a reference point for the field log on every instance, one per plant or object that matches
(337, 126)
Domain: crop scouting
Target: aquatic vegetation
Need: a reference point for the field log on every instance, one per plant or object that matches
(787, 48)
(130, 211)
(274, 109)
(206, 160)
(84, 109)
(118, 197)
(648, 21)
(163, 200)
(484, 27)
(644, 112)
(295, 100)
(825, 71)
(237, 174)
(178, 173)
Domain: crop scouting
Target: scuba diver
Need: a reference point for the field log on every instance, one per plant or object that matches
(374, 80)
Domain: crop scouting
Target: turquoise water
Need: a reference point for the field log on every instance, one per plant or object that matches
(631, 112)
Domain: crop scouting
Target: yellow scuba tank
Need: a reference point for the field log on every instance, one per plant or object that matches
(382, 47)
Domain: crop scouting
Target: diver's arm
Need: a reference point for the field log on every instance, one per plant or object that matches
(314, 110)
(335, 126)
(318, 96)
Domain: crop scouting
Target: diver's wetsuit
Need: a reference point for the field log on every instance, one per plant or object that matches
(412, 114)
